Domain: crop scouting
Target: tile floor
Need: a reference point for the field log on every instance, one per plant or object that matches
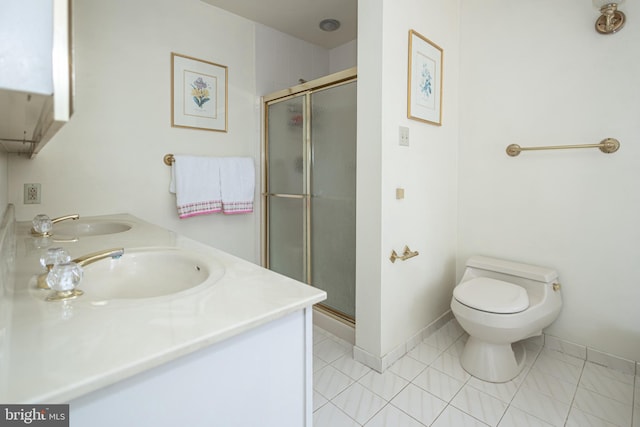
(428, 387)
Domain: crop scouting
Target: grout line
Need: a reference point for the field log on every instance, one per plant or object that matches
(573, 399)
(529, 368)
(633, 397)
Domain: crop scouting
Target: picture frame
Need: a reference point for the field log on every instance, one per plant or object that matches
(198, 94)
(424, 81)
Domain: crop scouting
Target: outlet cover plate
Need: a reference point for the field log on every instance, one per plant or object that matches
(404, 136)
(31, 194)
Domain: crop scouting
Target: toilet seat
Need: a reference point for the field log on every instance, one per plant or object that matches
(492, 295)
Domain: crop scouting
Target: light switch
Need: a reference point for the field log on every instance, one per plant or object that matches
(399, 193)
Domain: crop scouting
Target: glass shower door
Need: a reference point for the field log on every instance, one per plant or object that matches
(286, 188)
(333, 195)
(310, 194)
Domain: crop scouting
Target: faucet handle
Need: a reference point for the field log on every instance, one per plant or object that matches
(63, 279)
(54, 256)
(42, 225)
(50, 258)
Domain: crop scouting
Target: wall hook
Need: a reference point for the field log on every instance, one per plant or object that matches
(405, 255)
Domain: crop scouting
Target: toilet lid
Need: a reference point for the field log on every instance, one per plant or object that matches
(492, 295)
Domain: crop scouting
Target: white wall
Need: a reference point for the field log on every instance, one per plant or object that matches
(395, 301)
(108, 158)
(535, 77)
(281, 60)
(343, 57)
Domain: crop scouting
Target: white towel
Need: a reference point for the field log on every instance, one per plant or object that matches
(196, 184)
(237, 184)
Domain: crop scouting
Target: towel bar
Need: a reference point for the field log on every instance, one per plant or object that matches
(608, 145)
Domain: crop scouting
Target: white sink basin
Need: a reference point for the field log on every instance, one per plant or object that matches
(147, 273)
(88, 227)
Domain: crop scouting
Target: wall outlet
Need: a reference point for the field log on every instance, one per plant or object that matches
(404, 136)
(31, 194)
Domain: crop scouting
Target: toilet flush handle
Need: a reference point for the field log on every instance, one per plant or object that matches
(556, 286)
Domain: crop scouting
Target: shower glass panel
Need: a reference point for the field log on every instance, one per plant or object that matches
(287, 135)
(286, 237)
(333, 195)
(310, 197)
(286, 181)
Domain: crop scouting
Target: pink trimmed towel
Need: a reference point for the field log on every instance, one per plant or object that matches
(237, 184)
(196, 184)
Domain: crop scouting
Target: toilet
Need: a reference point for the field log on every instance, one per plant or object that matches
(499, 303)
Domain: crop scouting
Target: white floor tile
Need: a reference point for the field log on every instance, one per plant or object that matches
(453, 328)
(540, 405)
(329, 382)
(415, 390)
(567, 358)
(385, 385)
(438, 383)
(557, 368)
(480, 405)
(390, 416)
(515, 417)
(350, 367)
(450, 365)
(502, 391)
(456, 348)
(603, 407)
(319, 335)
(551, 386)
(407, 368)
(453, 417)
(424, 353)
(331, 416)
(330, 349)
(440, 339)
(595, 380)
(318, 400)
(359, 403)
(421, 405)
(318, 363)
(578, 418)
(609, 373)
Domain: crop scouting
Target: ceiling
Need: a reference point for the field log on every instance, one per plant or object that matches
(300, 18)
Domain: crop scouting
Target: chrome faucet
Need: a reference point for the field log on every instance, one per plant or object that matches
(42, 224)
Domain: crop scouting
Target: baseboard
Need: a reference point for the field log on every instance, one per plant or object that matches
(381, 363)
(591, 355)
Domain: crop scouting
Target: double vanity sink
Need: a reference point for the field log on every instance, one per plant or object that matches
(165, 297)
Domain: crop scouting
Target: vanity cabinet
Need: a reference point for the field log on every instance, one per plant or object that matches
(234, 349)
(260, 378)
(35, 73)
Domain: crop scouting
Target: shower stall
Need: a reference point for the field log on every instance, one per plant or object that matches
(309, 190)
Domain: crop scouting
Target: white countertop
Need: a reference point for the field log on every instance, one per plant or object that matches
(52, 352)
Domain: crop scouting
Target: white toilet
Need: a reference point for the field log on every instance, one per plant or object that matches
(498, 303)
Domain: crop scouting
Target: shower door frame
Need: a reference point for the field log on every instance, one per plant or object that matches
(306, 89)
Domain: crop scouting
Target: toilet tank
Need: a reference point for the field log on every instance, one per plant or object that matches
(536, 280)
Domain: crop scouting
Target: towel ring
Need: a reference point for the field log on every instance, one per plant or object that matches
(168, 159)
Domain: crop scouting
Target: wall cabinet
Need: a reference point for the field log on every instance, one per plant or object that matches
(35, 73)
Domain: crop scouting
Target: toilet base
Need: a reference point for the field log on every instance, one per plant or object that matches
(496, 363)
